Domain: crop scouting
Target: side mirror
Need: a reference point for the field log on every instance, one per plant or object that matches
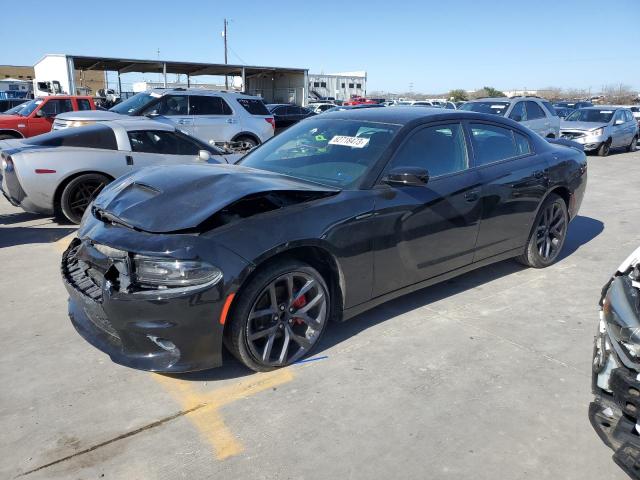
(152, 114)
(204, 155)
(516, 118)
(619, 122)
(41, 114)
(407, 176)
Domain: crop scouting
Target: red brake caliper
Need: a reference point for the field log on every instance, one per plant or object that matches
(299, 303)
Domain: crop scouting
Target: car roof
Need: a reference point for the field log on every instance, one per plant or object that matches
(493, 99)
(604, 107)
(404, 115)
(200, 91)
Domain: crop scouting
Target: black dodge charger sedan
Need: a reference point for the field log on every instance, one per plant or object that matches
(336, 215)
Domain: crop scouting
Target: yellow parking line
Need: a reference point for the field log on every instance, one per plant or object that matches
(208, 420)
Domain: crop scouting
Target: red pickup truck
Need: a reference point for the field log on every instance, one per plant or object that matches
(36, 116)
(359, 101)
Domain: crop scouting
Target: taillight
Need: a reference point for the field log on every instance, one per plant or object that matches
(271, 121)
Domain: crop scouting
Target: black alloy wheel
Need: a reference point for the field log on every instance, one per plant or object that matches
(548, 235)
(79, 193)
(280, 316)
(633, 145)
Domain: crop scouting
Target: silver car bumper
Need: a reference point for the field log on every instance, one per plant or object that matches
(588, 142)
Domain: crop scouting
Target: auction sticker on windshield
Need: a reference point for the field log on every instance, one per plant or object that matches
(346, 141)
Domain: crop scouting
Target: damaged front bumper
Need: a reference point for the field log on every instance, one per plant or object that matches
(162, 330)
(615, 411)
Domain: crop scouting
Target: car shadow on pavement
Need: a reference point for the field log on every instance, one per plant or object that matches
(12, 218)
(12, 236)
(581, 231)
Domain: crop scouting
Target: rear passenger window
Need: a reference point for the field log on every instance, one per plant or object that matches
(492, 143)
(207, 105)
(83, 104)
(254, 106)
(440, 149)
(523, 146)
(534, 111)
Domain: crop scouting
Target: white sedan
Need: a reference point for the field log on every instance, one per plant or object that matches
(62, 172)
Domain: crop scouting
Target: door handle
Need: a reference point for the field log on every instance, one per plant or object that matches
(539, 173)
(471, 196)
(129, 160)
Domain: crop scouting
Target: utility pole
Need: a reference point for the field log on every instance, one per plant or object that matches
(224, 35)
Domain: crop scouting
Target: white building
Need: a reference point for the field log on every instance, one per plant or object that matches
(340, 86)
(14, 88)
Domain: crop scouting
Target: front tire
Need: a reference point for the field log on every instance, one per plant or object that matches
(604, 149)
(548, 233)
(79, 193)
(280, 316)
(633, 145)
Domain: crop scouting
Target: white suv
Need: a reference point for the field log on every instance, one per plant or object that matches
(210, 115)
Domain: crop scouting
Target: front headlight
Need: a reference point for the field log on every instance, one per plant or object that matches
(597, 132)
(164, 272)
(80, 123)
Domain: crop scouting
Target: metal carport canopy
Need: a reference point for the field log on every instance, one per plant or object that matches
(124, 65)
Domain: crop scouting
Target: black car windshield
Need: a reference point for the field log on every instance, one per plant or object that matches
(135, 103)
(496, 108)
(332, 152)
(594, 115)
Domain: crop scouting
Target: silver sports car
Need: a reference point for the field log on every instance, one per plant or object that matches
(61, 172)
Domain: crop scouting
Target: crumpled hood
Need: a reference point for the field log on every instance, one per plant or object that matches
(180, 197)
(564, 125)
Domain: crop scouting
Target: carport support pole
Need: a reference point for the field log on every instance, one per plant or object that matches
(188, 81)
(244, 79)
(164, 74)
(119, 85)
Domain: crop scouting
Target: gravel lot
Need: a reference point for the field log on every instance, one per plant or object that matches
(486, 376)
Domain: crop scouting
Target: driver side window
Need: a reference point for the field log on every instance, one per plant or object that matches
(170, 105)
(440, 149)
(618, 116)
(518, 113)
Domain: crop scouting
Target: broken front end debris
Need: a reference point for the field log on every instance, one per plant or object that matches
(615, 411)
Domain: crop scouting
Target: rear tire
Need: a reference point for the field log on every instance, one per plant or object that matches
(264, 317)
(633, 145)
(547, 235)
(79, 193)
(604, 149)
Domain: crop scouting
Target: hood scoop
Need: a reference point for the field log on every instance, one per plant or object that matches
(198, 197)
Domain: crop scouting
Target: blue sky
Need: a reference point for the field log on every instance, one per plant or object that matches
(435, 45)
